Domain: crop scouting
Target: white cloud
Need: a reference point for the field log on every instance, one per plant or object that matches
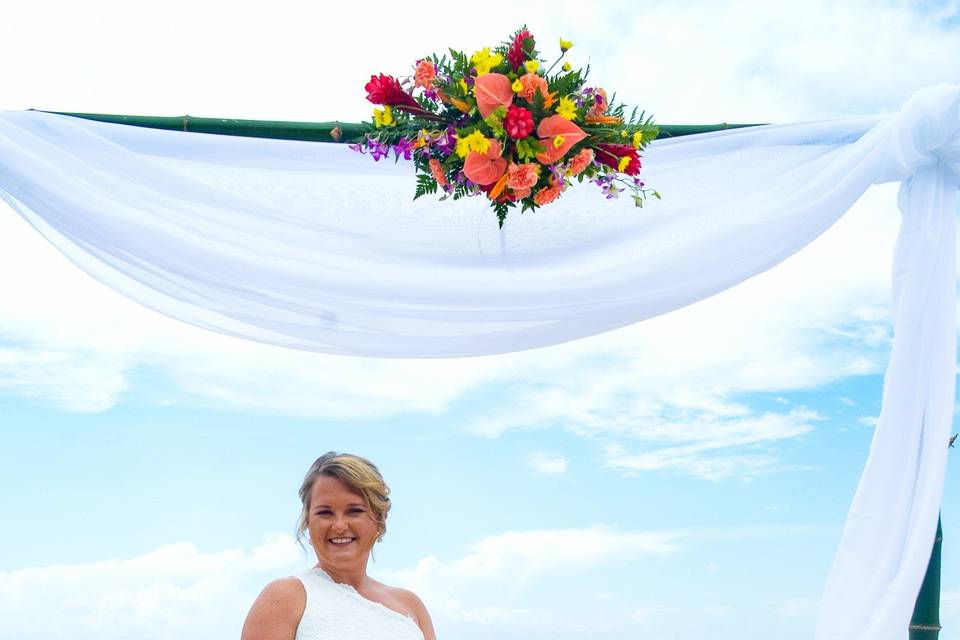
(523, 556)
(799, 607)
(548, 464)
(711, 448)
(175, 591)
(178, 591)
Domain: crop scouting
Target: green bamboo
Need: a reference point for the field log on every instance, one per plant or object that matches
(925, 624)
(311, 131)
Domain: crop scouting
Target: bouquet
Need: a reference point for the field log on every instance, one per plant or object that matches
(497, 124)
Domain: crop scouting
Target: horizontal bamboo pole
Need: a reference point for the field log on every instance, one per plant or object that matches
(310, 131)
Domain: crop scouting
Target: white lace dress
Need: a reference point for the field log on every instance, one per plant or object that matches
(338, 611)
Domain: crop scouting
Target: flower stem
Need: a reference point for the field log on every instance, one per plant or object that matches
(562, 53)
(419, 112)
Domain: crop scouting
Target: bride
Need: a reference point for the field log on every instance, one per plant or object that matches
(345, 506)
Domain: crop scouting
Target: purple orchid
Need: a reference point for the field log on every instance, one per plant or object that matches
(403, 148)
(378, 149)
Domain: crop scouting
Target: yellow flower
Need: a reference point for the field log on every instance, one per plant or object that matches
(566, 66)
(565, 44)
(484, 61)
(531, 66)
(473, 142)
(567, 109)
(637, 139)
(463, 85)
(558, 141)
(624, 163)
(383, 117)
(517, 86)
(624, 134)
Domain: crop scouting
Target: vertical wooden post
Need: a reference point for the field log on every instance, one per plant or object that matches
(925, 624)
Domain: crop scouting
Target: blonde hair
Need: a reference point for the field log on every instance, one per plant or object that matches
(359, 474)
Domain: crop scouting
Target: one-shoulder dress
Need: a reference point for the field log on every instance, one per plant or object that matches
(338, 611)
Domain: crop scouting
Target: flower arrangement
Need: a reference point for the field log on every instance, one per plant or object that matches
(496, 123)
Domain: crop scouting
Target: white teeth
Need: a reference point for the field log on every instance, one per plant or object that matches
(340, 540)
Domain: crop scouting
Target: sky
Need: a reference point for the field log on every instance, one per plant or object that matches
(685, 477)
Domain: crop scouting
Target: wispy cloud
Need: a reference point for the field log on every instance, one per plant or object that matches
(548, 464)
(717, 450)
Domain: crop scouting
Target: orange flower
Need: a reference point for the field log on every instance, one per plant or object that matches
(498, 188)
(437, 170)
(459, 104)
(425, 74)
(522, 176)
(603, 120)
(548, 194)
(531, 83)
(520, 194)
(549, 129)
(492, 91)
(485, 168)
(580, 162)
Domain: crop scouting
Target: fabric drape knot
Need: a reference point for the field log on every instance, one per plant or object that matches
(926, 131)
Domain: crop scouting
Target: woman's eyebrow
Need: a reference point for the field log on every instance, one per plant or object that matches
(352, 504)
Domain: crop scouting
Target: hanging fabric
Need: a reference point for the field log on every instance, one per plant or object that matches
(312, 246)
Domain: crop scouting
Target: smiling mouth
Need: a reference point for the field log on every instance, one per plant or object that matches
(340, 542)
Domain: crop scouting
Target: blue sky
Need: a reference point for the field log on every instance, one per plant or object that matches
(686, 477)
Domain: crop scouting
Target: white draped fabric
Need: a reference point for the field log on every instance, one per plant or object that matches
(313, 246)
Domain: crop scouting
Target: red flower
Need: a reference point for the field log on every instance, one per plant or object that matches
(610, 154)
(387, 90)
(523, 44)
(518, 122)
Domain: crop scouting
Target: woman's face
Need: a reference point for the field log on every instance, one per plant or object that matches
(341, 525)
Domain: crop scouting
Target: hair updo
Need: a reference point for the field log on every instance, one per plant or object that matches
(359, 474)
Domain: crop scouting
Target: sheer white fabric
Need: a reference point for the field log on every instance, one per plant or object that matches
(336, 611)
(313, 246)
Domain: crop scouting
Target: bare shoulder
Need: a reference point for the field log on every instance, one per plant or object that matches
(415, 605)
(276, 613)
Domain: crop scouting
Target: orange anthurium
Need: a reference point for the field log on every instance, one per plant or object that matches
(552, 127)
(492, 90)
(485, 168)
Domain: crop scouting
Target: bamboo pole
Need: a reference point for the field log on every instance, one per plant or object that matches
(925, 624)
(330, 131)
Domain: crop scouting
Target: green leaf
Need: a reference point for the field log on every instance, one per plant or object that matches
(528, 148)
(501, 209)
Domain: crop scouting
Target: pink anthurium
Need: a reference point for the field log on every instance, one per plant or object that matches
(485, 168)
(492, 90)
(549, 129)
